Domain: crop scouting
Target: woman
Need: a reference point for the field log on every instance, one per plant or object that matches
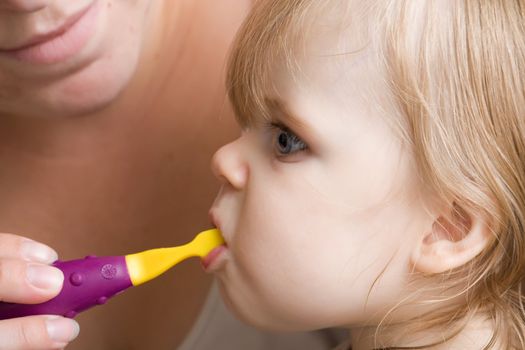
(109, 113)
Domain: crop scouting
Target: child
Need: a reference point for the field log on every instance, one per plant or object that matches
(379, 182)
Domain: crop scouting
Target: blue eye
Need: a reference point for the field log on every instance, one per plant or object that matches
(286, 142)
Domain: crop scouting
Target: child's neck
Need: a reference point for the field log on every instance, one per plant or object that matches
(474, 336)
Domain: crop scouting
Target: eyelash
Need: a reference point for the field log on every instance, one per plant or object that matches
(282, 136)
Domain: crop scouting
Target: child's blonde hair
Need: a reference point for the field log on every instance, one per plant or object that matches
(460, 87)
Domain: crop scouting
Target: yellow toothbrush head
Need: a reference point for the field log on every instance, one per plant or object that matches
(206, 241)
(146, 265)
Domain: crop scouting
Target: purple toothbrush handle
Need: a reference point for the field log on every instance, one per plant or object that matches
(87, 282)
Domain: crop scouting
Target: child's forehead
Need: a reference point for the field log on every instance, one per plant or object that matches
(325, 41)
(336, 28)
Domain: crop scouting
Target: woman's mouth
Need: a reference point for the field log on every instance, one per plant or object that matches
(60, 44)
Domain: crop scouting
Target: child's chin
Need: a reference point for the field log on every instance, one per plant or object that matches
(258, 319)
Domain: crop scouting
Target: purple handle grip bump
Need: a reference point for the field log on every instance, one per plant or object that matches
(87, 282)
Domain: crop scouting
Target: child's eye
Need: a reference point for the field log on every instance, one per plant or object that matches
(286, 142)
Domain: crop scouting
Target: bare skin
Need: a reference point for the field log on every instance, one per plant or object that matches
(132, 176)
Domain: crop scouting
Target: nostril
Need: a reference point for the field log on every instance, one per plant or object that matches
(238, 178)
(229, 166)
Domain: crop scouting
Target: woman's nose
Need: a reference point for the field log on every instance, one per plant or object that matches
(228, 164)
(23, 5)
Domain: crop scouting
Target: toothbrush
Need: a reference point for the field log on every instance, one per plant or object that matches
(93, 280)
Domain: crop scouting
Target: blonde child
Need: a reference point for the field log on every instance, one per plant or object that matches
(379, 182)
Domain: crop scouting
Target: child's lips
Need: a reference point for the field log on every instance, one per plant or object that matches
(209, 260)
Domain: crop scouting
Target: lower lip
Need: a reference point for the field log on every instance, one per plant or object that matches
(211, 260)
(62, 47)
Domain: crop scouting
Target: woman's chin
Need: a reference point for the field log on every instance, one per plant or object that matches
(81, 95)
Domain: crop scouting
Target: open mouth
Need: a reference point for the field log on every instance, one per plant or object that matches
(212, 261)
(213, 256)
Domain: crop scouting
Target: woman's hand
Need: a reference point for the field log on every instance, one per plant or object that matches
(26, 277)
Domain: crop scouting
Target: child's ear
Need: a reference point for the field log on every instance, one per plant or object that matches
(456, 237)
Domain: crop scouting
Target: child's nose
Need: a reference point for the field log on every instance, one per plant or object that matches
(23, 5)
(228, 164)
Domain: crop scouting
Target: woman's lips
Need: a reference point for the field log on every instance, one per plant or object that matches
(61, 45)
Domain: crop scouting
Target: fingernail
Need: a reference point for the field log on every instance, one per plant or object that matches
(62, 330)
(44, 276)
(38, 252)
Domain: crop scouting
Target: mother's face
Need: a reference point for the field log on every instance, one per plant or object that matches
(63, 57)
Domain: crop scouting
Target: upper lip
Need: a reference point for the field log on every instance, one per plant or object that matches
(215, 220)
(43, 37)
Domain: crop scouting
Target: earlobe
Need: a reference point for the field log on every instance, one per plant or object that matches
(454, 239)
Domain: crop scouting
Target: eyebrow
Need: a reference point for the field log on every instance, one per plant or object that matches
(287, 116)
